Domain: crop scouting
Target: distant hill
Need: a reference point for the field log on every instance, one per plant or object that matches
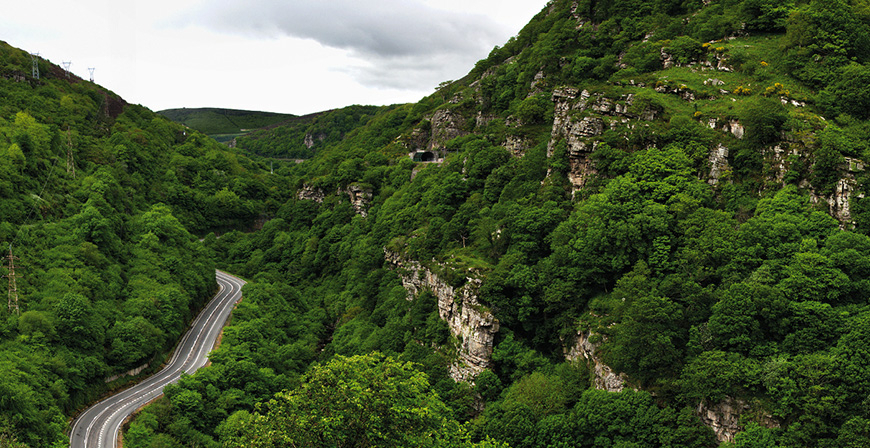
(223, 124)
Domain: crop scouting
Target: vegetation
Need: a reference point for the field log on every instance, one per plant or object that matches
(108, 272)
(224, 124)
(584, 184)
(300, 138)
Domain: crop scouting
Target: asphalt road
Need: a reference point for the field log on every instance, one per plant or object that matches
(98, 427)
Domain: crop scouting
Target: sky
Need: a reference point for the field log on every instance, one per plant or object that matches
(290, 56)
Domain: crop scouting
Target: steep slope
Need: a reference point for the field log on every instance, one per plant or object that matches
(97, 201)
(302, 137)
(664, 200)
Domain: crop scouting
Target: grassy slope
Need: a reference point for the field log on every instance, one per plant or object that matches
(212, 121)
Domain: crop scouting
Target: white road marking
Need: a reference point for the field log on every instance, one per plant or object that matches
(205, 329)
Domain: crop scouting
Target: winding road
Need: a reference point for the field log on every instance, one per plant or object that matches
(98, 427)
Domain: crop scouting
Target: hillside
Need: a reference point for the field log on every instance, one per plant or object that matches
(98, 199)
(302, 137)
(223, 124)
(636, 223)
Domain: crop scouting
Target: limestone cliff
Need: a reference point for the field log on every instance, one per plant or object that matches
(724, 417)
(584, 350)
(309, 193)
(360, 195)
(579, 117)
(470, 323)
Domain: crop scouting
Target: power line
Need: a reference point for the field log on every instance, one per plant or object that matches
(70, 162)
(13, 284)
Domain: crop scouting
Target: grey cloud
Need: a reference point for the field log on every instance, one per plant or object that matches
(396, 37)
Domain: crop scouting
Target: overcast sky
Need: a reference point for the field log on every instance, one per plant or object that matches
(293, 56)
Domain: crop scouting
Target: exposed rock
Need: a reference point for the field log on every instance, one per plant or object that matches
(667, 59)
(839, 201)
(470, 323)
(517, 145)
(735, 128)
(718, 160)
(579, 130)
(360, 197)
(536, 84)
(604, 378)
(309, 193)
(446, 125)
(483, 119)
(724, 417)
(309, 140)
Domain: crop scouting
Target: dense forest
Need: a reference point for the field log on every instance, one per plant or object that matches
(99, 202)
(636, 224)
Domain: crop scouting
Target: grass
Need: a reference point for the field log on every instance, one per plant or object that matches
(216, 122)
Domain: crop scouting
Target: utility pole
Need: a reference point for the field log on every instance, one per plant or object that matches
(66, 65)
(91, 70)
(34, 57)
(70, 161)
(13, 285)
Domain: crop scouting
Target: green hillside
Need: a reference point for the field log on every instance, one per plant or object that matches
(223, 124)
(301, 137)
(632, 223)
(98, 199)
(635, 224)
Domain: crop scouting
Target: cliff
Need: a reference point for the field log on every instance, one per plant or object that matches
(473, 326)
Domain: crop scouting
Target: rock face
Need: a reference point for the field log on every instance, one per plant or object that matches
(360, 197)
(309, 193)
(470, 323)
(718, 160)
(446, 125)
(839, 201)
(604, 378)
(579, 117)
(724, 417)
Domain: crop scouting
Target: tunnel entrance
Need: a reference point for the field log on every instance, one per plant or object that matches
(427, 156)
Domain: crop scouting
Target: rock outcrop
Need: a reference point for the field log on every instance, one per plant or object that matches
(839, 201)
(360, 197)
(309, 193)
(603, 377)
(724, 417)
(718, 161)
(580, 117)
(446, 125)
(470, 323)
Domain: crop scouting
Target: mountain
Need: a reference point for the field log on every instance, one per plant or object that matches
(634, 224)
(98, 199)
(223, 124)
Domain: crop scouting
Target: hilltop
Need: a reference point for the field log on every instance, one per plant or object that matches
(224, 124)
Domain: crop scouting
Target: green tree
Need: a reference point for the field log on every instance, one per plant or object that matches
(360, 401)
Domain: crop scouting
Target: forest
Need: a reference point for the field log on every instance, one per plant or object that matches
(646, 226)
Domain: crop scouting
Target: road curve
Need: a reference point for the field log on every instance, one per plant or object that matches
(98, 427)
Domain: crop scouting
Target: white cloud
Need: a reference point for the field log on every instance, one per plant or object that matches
(294, 56)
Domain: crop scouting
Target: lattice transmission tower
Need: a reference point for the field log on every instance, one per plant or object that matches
(34, 57)
(91, 70)
(13, 284)
(66, 65)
